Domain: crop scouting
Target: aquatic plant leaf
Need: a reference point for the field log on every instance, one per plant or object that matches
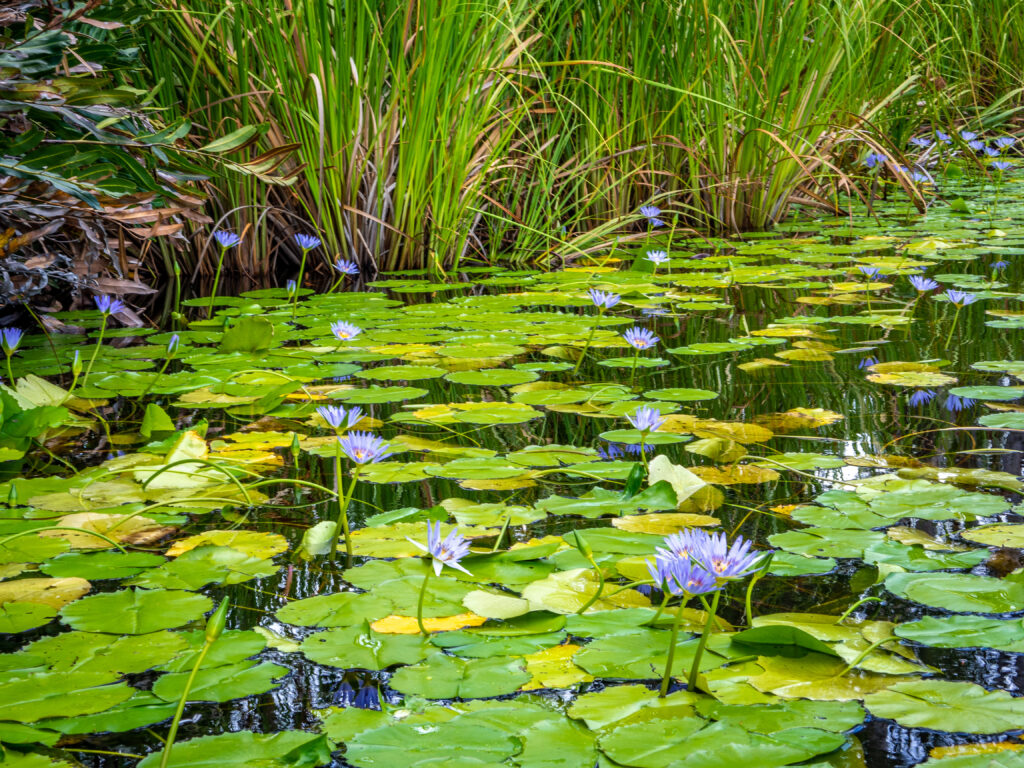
(284, 749)
(249, 334)
(817, 676)
(663, 523)
(96, 653)
(826, 542)
(340, 609)
(788, 564)
(554, 668)
(493, 377)
(142, 709)
(803, 461)
(567, 592)
(942, 705)
(195, 568)
(120, 528)
(835, 716)
(477, 645)
(362, 648)
(100, 565)
(408, 625)
(135, 611)
(495, 606)
(19, 617)
(959, 592)
(405, 744)
(402, 373)
(965, 631)
(989, 393)
(636, 437)
(31, 549)
(224, 683)
(232, 647)
(59, 694)
(1002, 420)
(680, 394)
(736, 474)
(55, 593)
(684, 482)
(1006, 758)
(254, 543)
(449, 677)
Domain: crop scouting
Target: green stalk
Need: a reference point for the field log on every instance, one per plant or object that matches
(667, 677)
(632, 373)
(691, 682)
(341, 527)
(216, 281)
(99, 343)
(158, 375)
(298, 283)
(10, 374)
(214, 628)
(419, 603)
(590, 338)
(661, 608)
(956, 316)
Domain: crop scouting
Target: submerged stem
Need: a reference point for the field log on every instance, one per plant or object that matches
(691, 681)
(419, 604)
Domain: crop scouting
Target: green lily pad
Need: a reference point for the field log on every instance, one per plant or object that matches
(944, 705)
(959, 592)
(135, 611)
(449, 677)
(284, 749)
(362, 648)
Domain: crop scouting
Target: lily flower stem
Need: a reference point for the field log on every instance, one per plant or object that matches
(341, 528)
(667, 677)
(99, 343)
(10, 375)
(661, 609)
(419, 605)
(158, 375)
(632, 373)
(643, 452)
(173, 733)
(590, 338)
(600, 587)
(956, 316)
(216, 282)
(298, 283)
(691, 682)
(337, 282)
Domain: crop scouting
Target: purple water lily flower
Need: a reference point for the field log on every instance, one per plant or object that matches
(307, 242)
(652, 212)
(684, 544)
(364, 447)
(875, 159)
(945, 138)
(678, 576)
(367, 698)
(866, 362)
(922, 283)
(226, 239)
(604, 299)
(1004, 141)
(921, 141)
(990, 152)
(347, 267)
(291, 286)
(977, 145)
(870, 272)
(108, 305)
(339, 417)
(968, 135)
(960, 298)
(173, 343)
(614, 451)
(725, 561)
(640, 338)
(10, 338)
(447, 551)
(1001, 165)
(999, 266)
(921, 397)
(955, 404)
(657, 257)
(345, 331)
(646, 419)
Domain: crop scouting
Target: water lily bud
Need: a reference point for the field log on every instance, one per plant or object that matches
(580, 543)
(215, 625)
(76, 365)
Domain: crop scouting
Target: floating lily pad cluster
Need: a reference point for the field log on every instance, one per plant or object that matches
(189, 467)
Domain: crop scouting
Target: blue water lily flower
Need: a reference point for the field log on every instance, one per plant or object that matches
(447, 551)
(108, 305)
(870, 272)
(727, 561)
(867, 362)
(977, 145)
(307, 242)
(640, 338)
(340, 417)
(921, 141)
(291, 286)
(945, 138)
(652, 212)
(875, 159)
(678, 576)
(960, 298)
(10, 338)
(345, 331)
(226, 239)
(346, 267)
(999, 266)
(1004, 141)
(364, 447)
(955, 404)
(968, 135)
(657, 257)
(922, 283)
(921, 397)
(173, 343)
(1001, 165)
(646, 419)
(604, 299)
(684, 544)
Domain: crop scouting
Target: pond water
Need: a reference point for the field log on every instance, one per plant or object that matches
(867, 433)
